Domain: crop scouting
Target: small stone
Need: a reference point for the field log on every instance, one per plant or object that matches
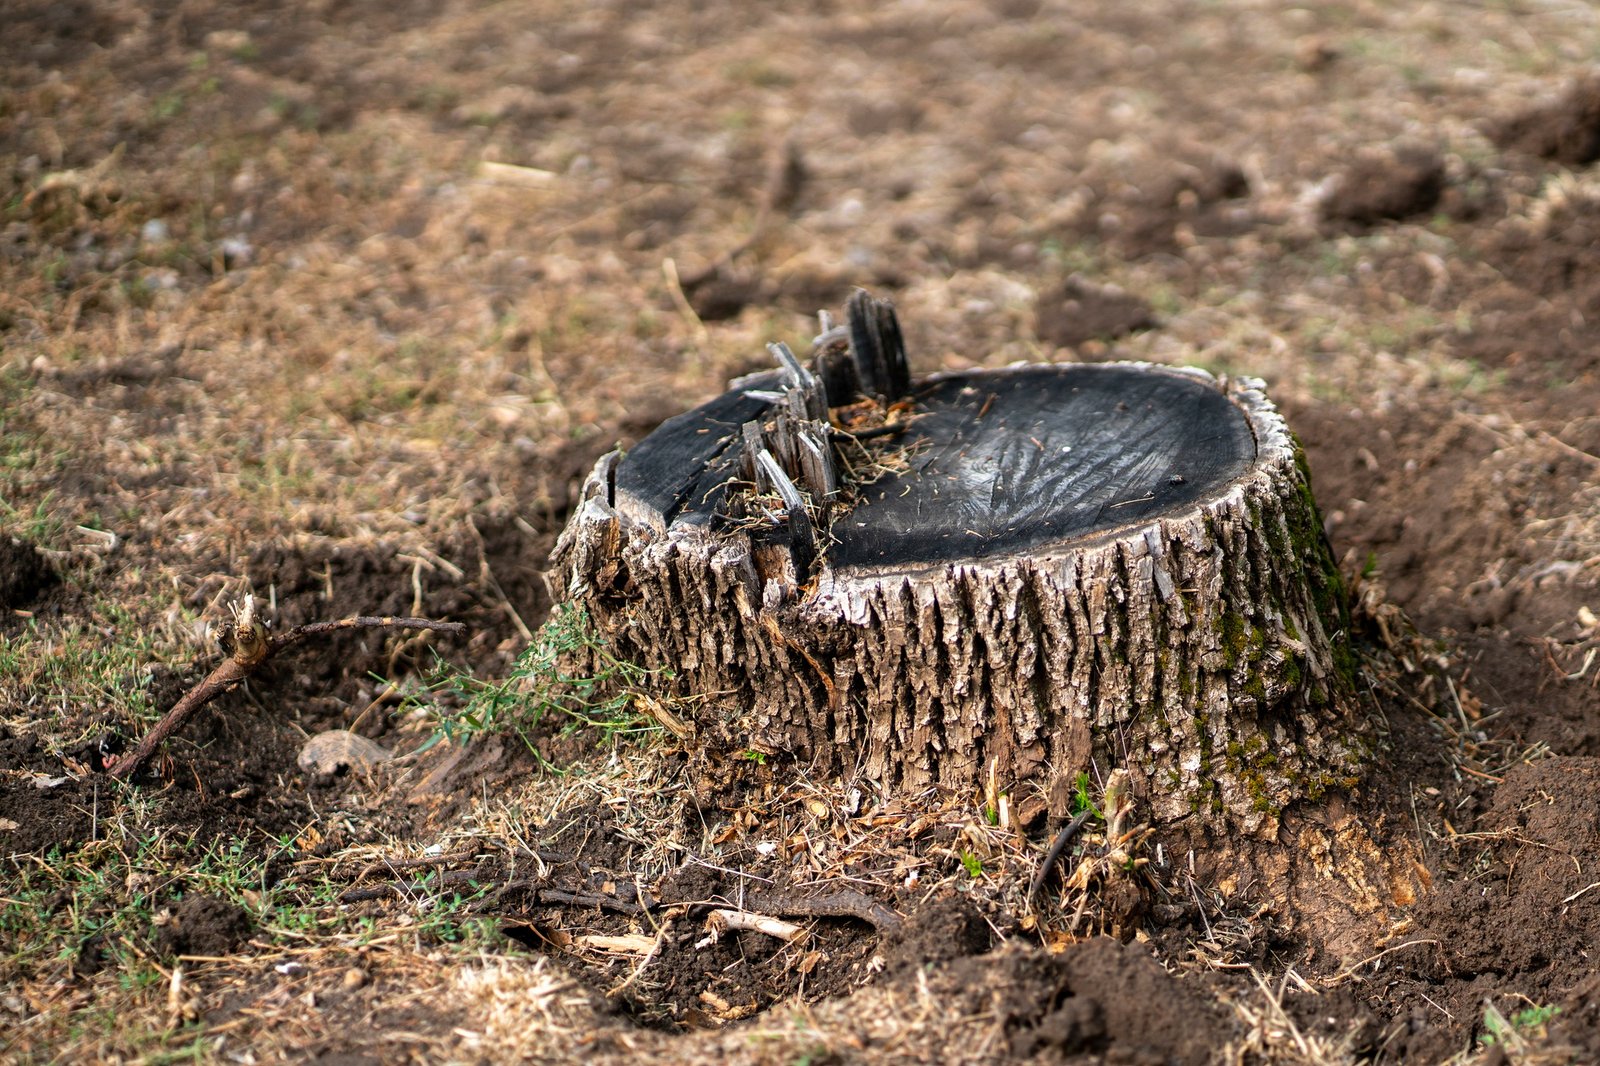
(236, 251)
(355, 977)
(330, 751)
(1312, 54)
(155, 231)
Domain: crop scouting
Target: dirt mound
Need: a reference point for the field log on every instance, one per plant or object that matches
(1078, 310)
(1386, 187)
(1537, 316)
(41, 808)
(24, 573)
(1507, 930)
(1162, 206)
(1534, 904)
(1567, 131)
(1469, 566)
(1097, 998)
(202, 925)
(949, 926)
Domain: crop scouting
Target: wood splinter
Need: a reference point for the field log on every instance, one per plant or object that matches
(251, 648)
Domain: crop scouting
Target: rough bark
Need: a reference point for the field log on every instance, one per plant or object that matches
(1201, 647)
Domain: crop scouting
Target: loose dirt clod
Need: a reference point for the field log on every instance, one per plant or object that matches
(1566, 131)
(1386, 187)
(24, 573)
(1078, 310)
(202, 925)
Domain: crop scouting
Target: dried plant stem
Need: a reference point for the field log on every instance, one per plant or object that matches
(251, 647)
(723, 920)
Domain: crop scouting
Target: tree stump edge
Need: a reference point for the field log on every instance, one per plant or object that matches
(1205, 652)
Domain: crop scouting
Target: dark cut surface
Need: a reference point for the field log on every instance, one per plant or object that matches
(1004, 462)
(681, 471)
(1000, 462)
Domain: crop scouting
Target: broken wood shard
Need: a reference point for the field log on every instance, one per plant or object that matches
(1048, 567)
(878, 350)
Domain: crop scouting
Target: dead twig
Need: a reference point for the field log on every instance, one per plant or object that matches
(786, 174)
(1353, 970)
(596, 899)
(251, 647)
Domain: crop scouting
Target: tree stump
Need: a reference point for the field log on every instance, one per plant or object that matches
(996, 574)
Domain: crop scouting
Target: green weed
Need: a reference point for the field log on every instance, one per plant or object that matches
(604, 696)
(1513, 1031)
(167, 106)
(1081, 800)
(444, 921)
(41, 524)
(96, 914)
(100, 903)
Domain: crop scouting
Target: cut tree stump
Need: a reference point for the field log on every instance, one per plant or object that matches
(987, 576)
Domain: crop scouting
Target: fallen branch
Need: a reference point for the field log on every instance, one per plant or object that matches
(251, 647)
(596, 899)
(627, 944)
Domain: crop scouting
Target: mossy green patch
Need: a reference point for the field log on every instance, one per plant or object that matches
(1330, 595)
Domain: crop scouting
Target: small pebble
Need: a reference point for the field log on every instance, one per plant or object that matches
(236, 251)
(354, 978)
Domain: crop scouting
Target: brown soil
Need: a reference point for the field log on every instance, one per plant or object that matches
(339, 308)
(1567, 131)
(1077, 311)
(24, 574)
(202, 925)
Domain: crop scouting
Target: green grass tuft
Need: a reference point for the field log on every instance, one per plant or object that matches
(602, 695)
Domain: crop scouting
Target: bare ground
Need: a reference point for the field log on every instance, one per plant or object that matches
(335, 303)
